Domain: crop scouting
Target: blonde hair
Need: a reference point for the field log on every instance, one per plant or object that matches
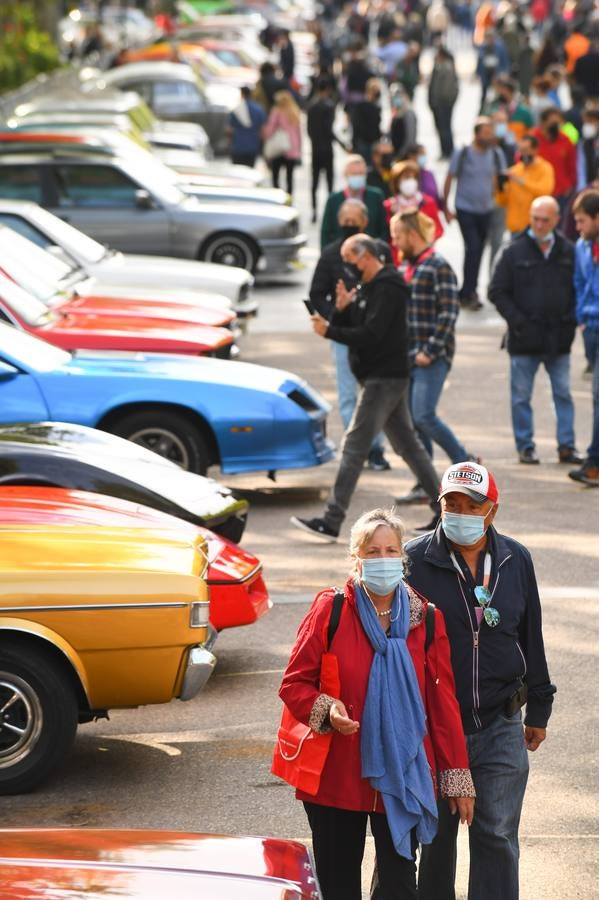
(416, 221)
(363, 531)
(285, 102)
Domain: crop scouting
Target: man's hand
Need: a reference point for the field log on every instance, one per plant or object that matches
(340, 720)
(421, 359)
(534, 737)
(464, 806)
(319, 324)
(343, 297)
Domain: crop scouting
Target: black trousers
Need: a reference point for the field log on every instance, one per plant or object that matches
(338, 839)
(289, 165)
(244, 159)
(321, 162)
(442, 116)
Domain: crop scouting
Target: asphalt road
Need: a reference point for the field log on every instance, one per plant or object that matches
(204, 765)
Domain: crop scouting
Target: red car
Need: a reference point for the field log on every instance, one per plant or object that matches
(46, 864)
(238, 595)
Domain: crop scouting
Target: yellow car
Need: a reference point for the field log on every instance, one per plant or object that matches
(93, 619)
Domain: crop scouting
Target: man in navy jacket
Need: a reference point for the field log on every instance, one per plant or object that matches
(484, 584)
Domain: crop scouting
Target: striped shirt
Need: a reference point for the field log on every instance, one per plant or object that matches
(433, 307)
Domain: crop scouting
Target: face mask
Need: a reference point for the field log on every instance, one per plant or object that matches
(548, 237)
(381, 576)
(526, 158)
(408, 187)
(356, 182)
(553, 131)
(589, 130)
(500, 129)
(463, 530)
(397, 102)
(349, 230)
(422, 161)
(353, 273)
(387, 160)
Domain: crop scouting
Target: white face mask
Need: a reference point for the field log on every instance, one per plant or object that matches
(408, 187)
(589, 130)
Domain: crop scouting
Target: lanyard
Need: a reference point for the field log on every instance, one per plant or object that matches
(486, 567)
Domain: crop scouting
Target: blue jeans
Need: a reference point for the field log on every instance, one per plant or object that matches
(425, 390)
(475, 230)
(347, 390)
(590, 336)
(523, 371)
(499, 766)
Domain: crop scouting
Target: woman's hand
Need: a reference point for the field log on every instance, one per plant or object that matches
(340, 721)
(464, 806)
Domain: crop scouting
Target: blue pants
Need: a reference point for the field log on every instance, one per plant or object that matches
(475, 230)
(425, 390)
(591, 348)
(347, 390)
(523, 371)
(499, 766)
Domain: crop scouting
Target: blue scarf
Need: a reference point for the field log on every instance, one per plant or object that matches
(393, 728)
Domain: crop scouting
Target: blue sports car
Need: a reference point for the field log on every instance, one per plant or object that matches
(196, 411)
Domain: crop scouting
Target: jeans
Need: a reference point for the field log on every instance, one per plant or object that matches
(426, 385)
(499, 766)
(347, 390)
(523, 371)
(338, 838)
(474, 228)
(442, 116)
(591, 348)
(382, 403)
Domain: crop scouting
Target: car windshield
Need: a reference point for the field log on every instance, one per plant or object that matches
(28, 308)
(35, 270)
(28, 352)
(154, 176)
(50, 230)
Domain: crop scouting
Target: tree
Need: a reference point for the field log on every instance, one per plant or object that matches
(25, 48)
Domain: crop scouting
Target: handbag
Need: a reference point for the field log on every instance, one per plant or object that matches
(300, 753)
(278, 144)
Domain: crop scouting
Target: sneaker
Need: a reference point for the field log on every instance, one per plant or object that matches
(430, 526)
(317, 527)
(377, 461)
(528, 456)
(587, 474)
(416, 495)
(569, 455)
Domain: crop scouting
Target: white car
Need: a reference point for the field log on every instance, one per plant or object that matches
(117, 273)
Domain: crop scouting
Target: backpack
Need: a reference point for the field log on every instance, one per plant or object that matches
(462, 160)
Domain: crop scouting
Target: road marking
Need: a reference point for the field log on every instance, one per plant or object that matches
(548, 592)
(162, 740)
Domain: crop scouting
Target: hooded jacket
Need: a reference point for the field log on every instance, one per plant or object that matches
(488, 663)
(375, 327)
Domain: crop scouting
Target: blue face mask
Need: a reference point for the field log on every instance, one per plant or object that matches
(463, 530)
(382, 575)
(356, 182)
(548, 237)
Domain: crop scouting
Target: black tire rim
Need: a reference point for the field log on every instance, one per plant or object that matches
(21, 719)
(163, 442)
(230, 251)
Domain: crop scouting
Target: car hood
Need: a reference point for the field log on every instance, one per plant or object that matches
(113, 283)
(221, 210)
(202, 274)
(148, 309)
(234, 194)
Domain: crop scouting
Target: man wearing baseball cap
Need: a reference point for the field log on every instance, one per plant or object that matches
(484, 584)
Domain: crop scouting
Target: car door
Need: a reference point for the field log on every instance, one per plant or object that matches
(103, 202)
(20, 397)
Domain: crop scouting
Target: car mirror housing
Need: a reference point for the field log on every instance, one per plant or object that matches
(144, 200)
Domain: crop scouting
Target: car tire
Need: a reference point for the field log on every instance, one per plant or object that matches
(44, 708)
(231, 249)
(169, 434)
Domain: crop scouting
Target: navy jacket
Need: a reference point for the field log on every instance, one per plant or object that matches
(488, 663)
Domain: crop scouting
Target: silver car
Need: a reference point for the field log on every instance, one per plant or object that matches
(139, 209)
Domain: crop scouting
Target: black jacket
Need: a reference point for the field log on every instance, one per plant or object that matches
(375, 328)
(330, 268)
(488, 674)
(320, 120)
(536, 296)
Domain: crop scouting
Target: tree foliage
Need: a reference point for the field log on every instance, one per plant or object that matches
(25, 49)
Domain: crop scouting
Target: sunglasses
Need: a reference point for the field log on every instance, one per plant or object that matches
(490, 614)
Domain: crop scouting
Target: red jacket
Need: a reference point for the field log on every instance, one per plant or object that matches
(427, 205)
(561, 153)
(342, 784)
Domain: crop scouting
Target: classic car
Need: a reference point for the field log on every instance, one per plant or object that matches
(203, 60)
(93, 619)
(238, 595)
(48, 863)
(59, 454)
(140, 209)
(118, 24)
(196, 411)
(114, 271)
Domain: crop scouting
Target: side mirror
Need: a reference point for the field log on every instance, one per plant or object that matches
(7, 371)
(143, 200)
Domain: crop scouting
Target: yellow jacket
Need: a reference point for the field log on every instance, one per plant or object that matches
(539, 180)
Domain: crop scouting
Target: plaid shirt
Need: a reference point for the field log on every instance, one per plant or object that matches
(433, 307)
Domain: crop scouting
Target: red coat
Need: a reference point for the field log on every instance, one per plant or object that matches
(342, 784)
(561, 153)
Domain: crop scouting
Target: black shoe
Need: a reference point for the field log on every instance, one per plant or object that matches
(569, 455)
(472, 302)
(416, 495)
(317, 527)
(377, 462)
(587, 474)
(430, 526)
(528, 457)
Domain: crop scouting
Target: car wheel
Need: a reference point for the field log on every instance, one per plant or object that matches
(38, 719)
(168, 434)
(230, 249)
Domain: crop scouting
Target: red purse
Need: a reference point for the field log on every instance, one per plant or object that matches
(300, 753)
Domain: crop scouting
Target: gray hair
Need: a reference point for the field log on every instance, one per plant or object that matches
(362, 243)
(352, 204)
(363, 531)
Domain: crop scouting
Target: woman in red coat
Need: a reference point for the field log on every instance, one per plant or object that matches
(397, 729)
(406, 194)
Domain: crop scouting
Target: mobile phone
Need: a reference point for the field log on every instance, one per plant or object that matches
(309, 306)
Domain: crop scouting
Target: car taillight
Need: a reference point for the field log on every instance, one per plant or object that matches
(199, 614)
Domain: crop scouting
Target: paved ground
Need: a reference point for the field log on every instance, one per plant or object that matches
(204, 765)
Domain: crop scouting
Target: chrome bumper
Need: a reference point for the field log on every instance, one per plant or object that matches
(199, 667)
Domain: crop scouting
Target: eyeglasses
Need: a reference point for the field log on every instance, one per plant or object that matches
(483, 597)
